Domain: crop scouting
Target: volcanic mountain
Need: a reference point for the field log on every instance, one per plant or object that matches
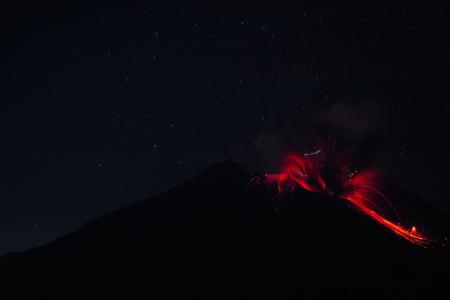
(218, 236)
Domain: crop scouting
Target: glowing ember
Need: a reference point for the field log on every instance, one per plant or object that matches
(326, 171)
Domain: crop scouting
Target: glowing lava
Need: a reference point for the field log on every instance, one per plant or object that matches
(326, 171)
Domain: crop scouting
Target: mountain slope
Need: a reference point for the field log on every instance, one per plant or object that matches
(219, 236)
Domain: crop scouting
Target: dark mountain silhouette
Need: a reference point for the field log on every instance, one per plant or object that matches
(217, 236)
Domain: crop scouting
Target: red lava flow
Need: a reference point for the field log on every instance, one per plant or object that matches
(326, 171)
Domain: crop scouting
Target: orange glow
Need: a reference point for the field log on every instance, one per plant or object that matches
(319, 173)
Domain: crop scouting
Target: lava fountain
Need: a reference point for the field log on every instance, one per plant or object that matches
(327, 171)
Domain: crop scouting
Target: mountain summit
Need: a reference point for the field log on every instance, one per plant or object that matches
(218, 236)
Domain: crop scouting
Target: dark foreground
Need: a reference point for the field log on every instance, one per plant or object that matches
(219, 237)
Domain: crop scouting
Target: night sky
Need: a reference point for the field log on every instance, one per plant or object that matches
(104, 104)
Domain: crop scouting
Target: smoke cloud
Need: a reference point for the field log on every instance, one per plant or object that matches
(357, 127)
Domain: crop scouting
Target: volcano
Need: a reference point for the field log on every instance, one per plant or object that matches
(217, 236)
